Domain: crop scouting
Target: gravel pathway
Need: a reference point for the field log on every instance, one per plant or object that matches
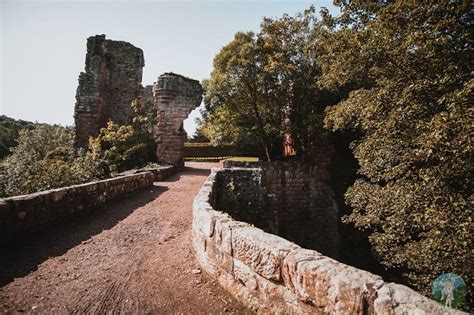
(133, 256)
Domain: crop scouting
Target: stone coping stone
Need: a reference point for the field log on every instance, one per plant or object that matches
(24, 214)
(160, 172)
(269, 274)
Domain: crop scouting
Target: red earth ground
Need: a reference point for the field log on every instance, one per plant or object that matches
(133, 256)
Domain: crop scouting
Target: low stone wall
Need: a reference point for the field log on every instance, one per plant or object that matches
(269, 274)
(159, 173)
(20, 215)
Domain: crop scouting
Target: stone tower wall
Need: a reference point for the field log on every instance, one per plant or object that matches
(111, 81)
(175, 97)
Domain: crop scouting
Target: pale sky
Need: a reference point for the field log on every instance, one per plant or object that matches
(43, 44)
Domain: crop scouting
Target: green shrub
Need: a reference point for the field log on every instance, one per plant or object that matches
(202, 150)
(44, 160)
(9, 132)
(121, 147)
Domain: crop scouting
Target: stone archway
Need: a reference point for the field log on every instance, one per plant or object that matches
(175, 96)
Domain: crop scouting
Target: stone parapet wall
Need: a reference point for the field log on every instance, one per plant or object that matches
(159, 173)
(270, 274)
(20, 215)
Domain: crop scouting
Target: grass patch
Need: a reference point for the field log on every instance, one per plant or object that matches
(220, 158)
(244, 159)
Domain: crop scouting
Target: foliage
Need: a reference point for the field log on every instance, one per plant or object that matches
(128, 146)
(198, 136)
(120, 147)
(291, 52)
(263, 87)
(9, 132)
(237, 96)
(44, 160)
(406, 70)
(196, 150)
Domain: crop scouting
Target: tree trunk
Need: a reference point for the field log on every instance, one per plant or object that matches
(267, 152)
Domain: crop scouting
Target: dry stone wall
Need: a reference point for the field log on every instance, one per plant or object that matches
(21, 215)
(270, 274)
(111, 81)
(175, 97)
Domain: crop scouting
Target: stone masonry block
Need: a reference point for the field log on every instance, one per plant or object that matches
(397, 299)
(262, 252)
(204, 220)
(223, 232)
(331, 286)
(223, 260)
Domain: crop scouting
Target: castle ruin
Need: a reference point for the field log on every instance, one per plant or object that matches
(175, 97)
(111, 81)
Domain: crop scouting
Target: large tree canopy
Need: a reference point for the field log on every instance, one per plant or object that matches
(263, 87)
(397, 77)
(238, 95)
(408, 67)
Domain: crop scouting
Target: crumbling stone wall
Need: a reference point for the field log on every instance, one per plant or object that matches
(272, 275)
(111, 81)
(289, 199)
(175, 97)
(148, 94)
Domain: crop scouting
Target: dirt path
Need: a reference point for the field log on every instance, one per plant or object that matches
(133, 256)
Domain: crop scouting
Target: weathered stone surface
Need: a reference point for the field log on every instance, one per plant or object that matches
(175, 97)
(329, 285)
(269, 274)
(111, 81)
(159, 173)
(262, 252)
(224, 227)
(398, 299)
(204, 221)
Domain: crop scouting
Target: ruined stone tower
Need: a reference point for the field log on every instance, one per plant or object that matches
(111, 81)
(175, 97)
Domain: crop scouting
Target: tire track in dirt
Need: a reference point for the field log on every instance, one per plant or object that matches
(133, 256)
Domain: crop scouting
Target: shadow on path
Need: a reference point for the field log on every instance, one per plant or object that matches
(188, 171)
(23, 257)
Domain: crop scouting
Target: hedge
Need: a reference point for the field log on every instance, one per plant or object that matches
(206, 150)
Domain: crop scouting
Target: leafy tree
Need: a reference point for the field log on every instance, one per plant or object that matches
(224, 126)
(291, 51)
(263, 87)
(239, 84)
(198, 136)
(120, 147)
(128, 146)
(9, 132)
(406, 69)
(44, 160)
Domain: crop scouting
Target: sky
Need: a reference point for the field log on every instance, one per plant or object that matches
(43, 44)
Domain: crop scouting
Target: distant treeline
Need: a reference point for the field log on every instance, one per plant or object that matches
(204, 150)
(9, 131)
